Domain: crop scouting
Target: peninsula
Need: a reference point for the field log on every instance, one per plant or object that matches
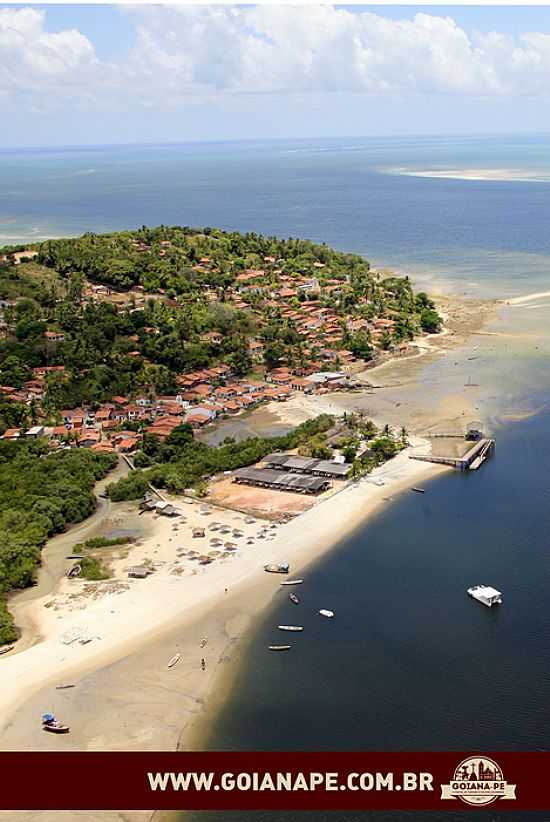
(126, 350)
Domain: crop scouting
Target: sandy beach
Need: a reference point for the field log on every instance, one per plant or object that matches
(509, 175)
(84, 625)
(398, 394)
(124, 696)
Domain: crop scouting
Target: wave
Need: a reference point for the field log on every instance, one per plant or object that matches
(32, 236)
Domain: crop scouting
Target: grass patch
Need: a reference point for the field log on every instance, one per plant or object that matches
(101, 542)
(92, 569)
(7, 628)
(29, 280)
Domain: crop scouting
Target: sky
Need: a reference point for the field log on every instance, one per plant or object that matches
(79, 75)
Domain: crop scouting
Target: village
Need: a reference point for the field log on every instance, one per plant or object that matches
(199, 403)
(308, 304)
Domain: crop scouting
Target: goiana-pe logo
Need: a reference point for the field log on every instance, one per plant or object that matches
(478, 780)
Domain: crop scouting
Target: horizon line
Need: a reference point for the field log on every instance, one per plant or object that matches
(238, 140)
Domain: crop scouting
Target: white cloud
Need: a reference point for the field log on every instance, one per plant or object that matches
(186, 52)
(34, 60)
(267, 49)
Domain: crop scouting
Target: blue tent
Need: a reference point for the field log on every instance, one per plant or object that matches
(48, 718)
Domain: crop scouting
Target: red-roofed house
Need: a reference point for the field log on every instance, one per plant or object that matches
(88, 437)
(202, 390)
(197, 420)
(54, 336)
(102, 448)
(127, 445)
(42, 370)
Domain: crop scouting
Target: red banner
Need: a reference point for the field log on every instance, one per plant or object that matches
(284, 781)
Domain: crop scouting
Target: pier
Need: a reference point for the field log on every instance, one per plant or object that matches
(471, 460)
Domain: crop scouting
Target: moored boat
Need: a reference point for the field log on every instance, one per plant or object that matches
(326, 613)
(292, 582)
(51, 724)
(279, 647)
(282, 568)
(293, 598)
(290, 627)
(485, 594)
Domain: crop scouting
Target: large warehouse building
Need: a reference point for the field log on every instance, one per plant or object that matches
(281, 481)
(307, 465)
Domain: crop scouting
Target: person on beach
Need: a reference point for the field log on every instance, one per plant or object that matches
(203, 664)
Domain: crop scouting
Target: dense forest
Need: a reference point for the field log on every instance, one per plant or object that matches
(40, 495)
(131, 258)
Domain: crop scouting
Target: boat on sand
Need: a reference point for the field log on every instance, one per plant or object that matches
(282, 568)
(174, 660)
(53, 726)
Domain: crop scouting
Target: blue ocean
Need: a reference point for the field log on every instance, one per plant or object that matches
(371, 196)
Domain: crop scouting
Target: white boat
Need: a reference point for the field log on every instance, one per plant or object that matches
(485, 594)
(326, 613)
(292, 582)
(283, 568)
(279, 647)
(290, 627)
(174, 660)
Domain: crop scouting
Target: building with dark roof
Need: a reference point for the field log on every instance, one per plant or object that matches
(307, 465)
(281, 480)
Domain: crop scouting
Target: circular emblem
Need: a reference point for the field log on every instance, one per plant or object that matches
(478, 780)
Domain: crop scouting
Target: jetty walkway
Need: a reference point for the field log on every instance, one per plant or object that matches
(471, 460)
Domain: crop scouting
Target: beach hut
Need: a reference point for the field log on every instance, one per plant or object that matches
(166, 509)
(138, 572)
